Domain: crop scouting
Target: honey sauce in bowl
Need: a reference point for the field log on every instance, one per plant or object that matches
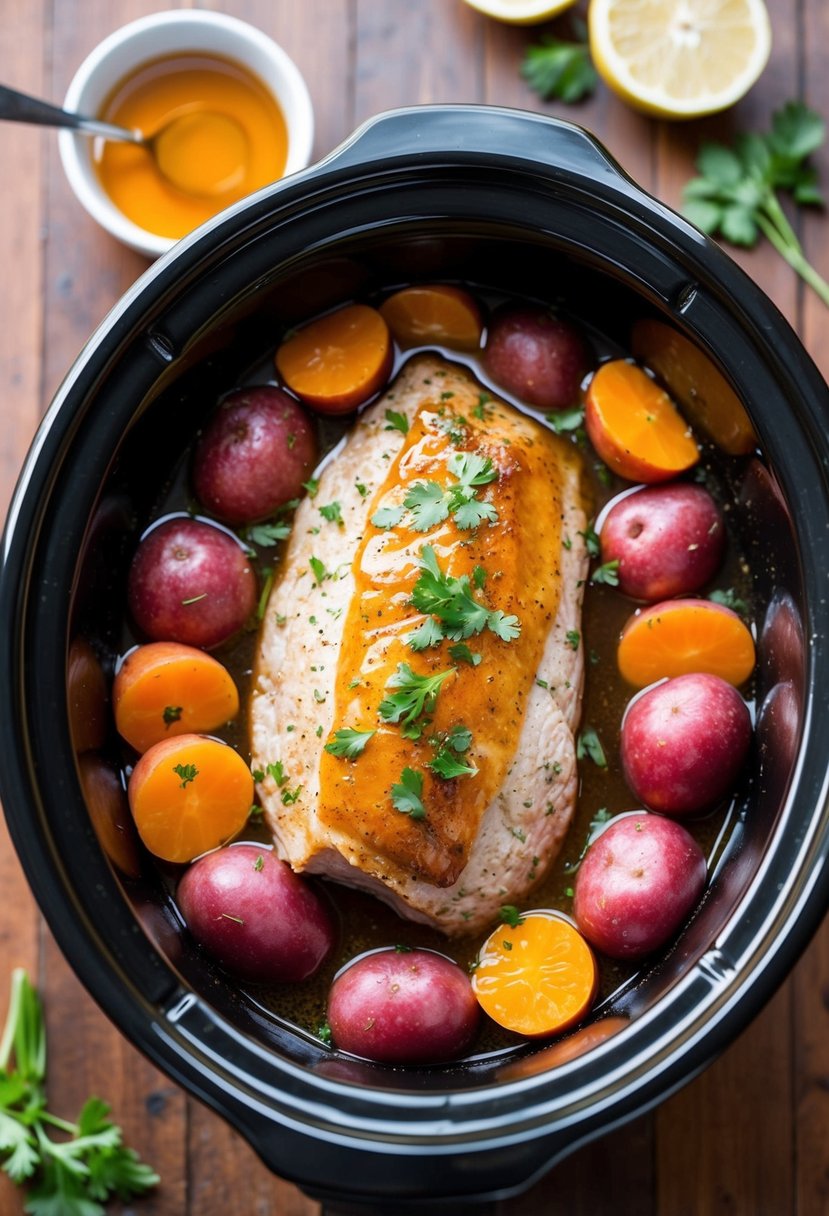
(225, 137)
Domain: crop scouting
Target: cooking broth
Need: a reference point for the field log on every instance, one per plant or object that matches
(364, 923)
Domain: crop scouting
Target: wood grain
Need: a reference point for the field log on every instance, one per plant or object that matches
(752, 1134)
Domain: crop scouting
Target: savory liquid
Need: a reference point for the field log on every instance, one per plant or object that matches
(228, 138)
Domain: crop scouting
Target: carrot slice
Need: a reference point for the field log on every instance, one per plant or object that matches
(110, 814)
(634, 425)
(438, 313)
(678, 637)
(538, 977)
(339, 361)
(189, 795)
(166, 689)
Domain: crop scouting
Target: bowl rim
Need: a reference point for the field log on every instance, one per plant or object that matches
(245, 42)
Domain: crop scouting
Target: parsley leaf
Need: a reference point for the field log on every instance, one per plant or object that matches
(406, 794)
(447, 766)
(311, 485)
(172, 713)
(349, 743)
(332, 511)
(426, 635)
(572, 638)
(416, 694)
(737, 192)
(187, 772)
(590, 745)
(396, 422)
(559, 69)
(461, 653)
(318, 570)
(471, 514)
(608, 573)
(730, 599)
(452, 602)
(76, 1175)
(511, 916)
(591, 541)
(268, 534)
(387, 517)
(472, 469)
(428, 504)
(563, 421)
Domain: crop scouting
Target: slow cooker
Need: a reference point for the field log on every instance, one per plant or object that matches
(519, 203)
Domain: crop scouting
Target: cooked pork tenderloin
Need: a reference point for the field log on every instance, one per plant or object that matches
(490, 548)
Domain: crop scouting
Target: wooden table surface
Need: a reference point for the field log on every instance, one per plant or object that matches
(751, 1136)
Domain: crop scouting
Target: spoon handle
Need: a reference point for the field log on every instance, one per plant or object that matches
(19, 107)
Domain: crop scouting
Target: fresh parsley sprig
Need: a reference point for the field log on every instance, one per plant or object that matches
(77, 1174)
(562, 70)
(429, 503)
(406, 794)
(413, 697)
(737, 192)
(349, 743)
(451, 601)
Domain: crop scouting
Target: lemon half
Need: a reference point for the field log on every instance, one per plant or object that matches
(521, 12)
(679, 58)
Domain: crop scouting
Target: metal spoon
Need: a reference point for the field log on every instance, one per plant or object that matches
(199, 152)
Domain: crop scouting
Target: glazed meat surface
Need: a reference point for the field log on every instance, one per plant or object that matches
(338, 627)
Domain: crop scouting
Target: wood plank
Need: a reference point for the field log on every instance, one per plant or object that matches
(22, 150)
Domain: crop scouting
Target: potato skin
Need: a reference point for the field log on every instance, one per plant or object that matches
(540, 358)
(410, 1007)
(684, 742)
(253, 455)
(638, 882)
(668, 540)
(190, 582)
(249, 910)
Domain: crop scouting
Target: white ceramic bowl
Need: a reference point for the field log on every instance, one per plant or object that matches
(165, 33)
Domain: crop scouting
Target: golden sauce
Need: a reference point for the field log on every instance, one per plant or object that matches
(527, 495)
(231, 140)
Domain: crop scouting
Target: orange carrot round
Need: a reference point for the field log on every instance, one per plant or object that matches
(634, 425)
(537, 977)
(188, 795)
(166, 689)
(439, 313)
(678, 637)
(339, 361)
(107, 805)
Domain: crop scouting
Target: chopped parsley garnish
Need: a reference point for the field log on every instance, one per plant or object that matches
(187, 773)
(362, 489)
(511, 916)
(451, 601)
(319, 571)
(601, 817)
(429, 503)
(387, 517)
(730, 599)
(416, 695)
(406, 794)
(591, 541)
(426, 635)
(590, 745)
(572, 638)
(268, 534)
(478, 411)
(324, 1033)
(311, 485)
(332, 511)
(564, 421)
(289, 797)
(275, 770)
(264, 595)
(172, 713)
(461, 653)
(396, 422)
(349, 743)
(259, 864)
(608, 573)
(445, 763)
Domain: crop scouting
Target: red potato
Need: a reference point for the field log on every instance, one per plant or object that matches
(253, 455)
(684, 742)
(249, 910)
(668, 540)
(190, 582)
(637, 884)
(410, 1007)
(538, 357)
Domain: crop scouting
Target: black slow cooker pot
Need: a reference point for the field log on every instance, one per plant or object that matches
(514, 202)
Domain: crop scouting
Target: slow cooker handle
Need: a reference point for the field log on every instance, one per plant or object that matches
(450, 131)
